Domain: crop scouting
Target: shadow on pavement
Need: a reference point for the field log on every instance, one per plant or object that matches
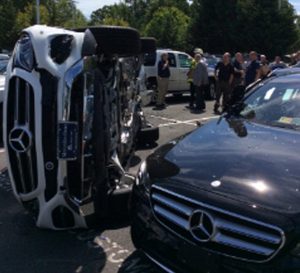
(138, 263)
(173, 100)
(27, 249)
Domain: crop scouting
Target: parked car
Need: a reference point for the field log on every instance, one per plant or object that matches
(211, 62)
(73, 116)
(180, 63)
(225, 198)
(3, 65)
(4, 57)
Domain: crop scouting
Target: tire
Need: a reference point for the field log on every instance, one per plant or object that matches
(122, 41)
(148, 45)
(148, 135)
(177, 95)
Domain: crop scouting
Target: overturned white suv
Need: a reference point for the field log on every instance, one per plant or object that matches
(72, 118)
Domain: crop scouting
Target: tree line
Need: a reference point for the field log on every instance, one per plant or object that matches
(216, 26)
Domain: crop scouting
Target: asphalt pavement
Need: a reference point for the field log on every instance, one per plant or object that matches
(27, 249)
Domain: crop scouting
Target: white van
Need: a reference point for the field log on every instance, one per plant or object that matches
(180, 63)
(179, 67)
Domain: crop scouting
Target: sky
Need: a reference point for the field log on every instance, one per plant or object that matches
(88, 6)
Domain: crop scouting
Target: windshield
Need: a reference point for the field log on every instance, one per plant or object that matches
(3, 65)
(276, 104)
(149, 59)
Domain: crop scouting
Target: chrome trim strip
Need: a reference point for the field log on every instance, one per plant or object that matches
(168, 270)
(16, 113)
(71, 75)
(26, 127)
(210, 207)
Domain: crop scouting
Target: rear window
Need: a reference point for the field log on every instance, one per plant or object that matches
(150, 59)
(3, 65)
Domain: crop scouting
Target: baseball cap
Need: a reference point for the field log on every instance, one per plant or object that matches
(198, 50)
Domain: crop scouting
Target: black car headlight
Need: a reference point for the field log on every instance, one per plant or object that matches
(24, 55)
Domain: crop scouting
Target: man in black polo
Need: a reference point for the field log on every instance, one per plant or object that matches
(253, 69)
(224, 73)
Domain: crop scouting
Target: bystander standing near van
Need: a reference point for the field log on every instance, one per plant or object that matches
(162, 81)
(224, 73)
(264, 67)
(190, 78)
(253, 69)
(200, 80)
(239, 70)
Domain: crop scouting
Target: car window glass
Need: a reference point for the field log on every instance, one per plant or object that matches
(150, 59)
(3, 65)
(172, 60)
(184, 61)
(275, 104)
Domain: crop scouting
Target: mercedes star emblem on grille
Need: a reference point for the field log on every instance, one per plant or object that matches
(20, 139)
(202, 226)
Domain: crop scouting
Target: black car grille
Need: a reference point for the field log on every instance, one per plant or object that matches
(225, 232)
(49, 131)
(20, 135)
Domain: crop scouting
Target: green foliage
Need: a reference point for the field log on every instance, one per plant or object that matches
(7, 14)
(27, 17)
(64, 13)
(215, 25)
(169, 26)
(137, 13)
(117, 14)
(243, 25)
(16, 15)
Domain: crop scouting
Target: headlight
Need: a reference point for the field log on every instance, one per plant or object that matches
(143, 177)
(24, 55)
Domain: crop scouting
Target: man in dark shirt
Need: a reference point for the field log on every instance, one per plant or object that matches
(224, 73)
(162, 80)
(253, 69)
(239, 71)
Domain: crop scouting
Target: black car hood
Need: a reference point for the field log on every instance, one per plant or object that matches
(237, 159)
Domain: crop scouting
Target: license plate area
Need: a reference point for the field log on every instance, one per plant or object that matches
(67, 148)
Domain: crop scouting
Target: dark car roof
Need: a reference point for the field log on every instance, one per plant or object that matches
(286, 71)
(286, 78)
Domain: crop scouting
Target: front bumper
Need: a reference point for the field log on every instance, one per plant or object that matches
(175, 254)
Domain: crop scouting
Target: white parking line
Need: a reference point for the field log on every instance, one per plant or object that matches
(172, 122)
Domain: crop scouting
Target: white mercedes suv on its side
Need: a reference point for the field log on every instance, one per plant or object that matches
(72, 118)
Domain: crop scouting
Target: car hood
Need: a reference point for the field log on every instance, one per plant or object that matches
(237, 159)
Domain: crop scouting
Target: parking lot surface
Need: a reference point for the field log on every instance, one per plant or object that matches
(26, 249)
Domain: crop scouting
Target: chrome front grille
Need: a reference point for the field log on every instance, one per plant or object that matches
(20, 135)
(215, 229)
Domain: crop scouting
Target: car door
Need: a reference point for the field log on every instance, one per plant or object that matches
(184, 64)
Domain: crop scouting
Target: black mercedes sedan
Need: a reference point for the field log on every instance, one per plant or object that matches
(226, 197)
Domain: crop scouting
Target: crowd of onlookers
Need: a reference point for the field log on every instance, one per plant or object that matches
(232, 76)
